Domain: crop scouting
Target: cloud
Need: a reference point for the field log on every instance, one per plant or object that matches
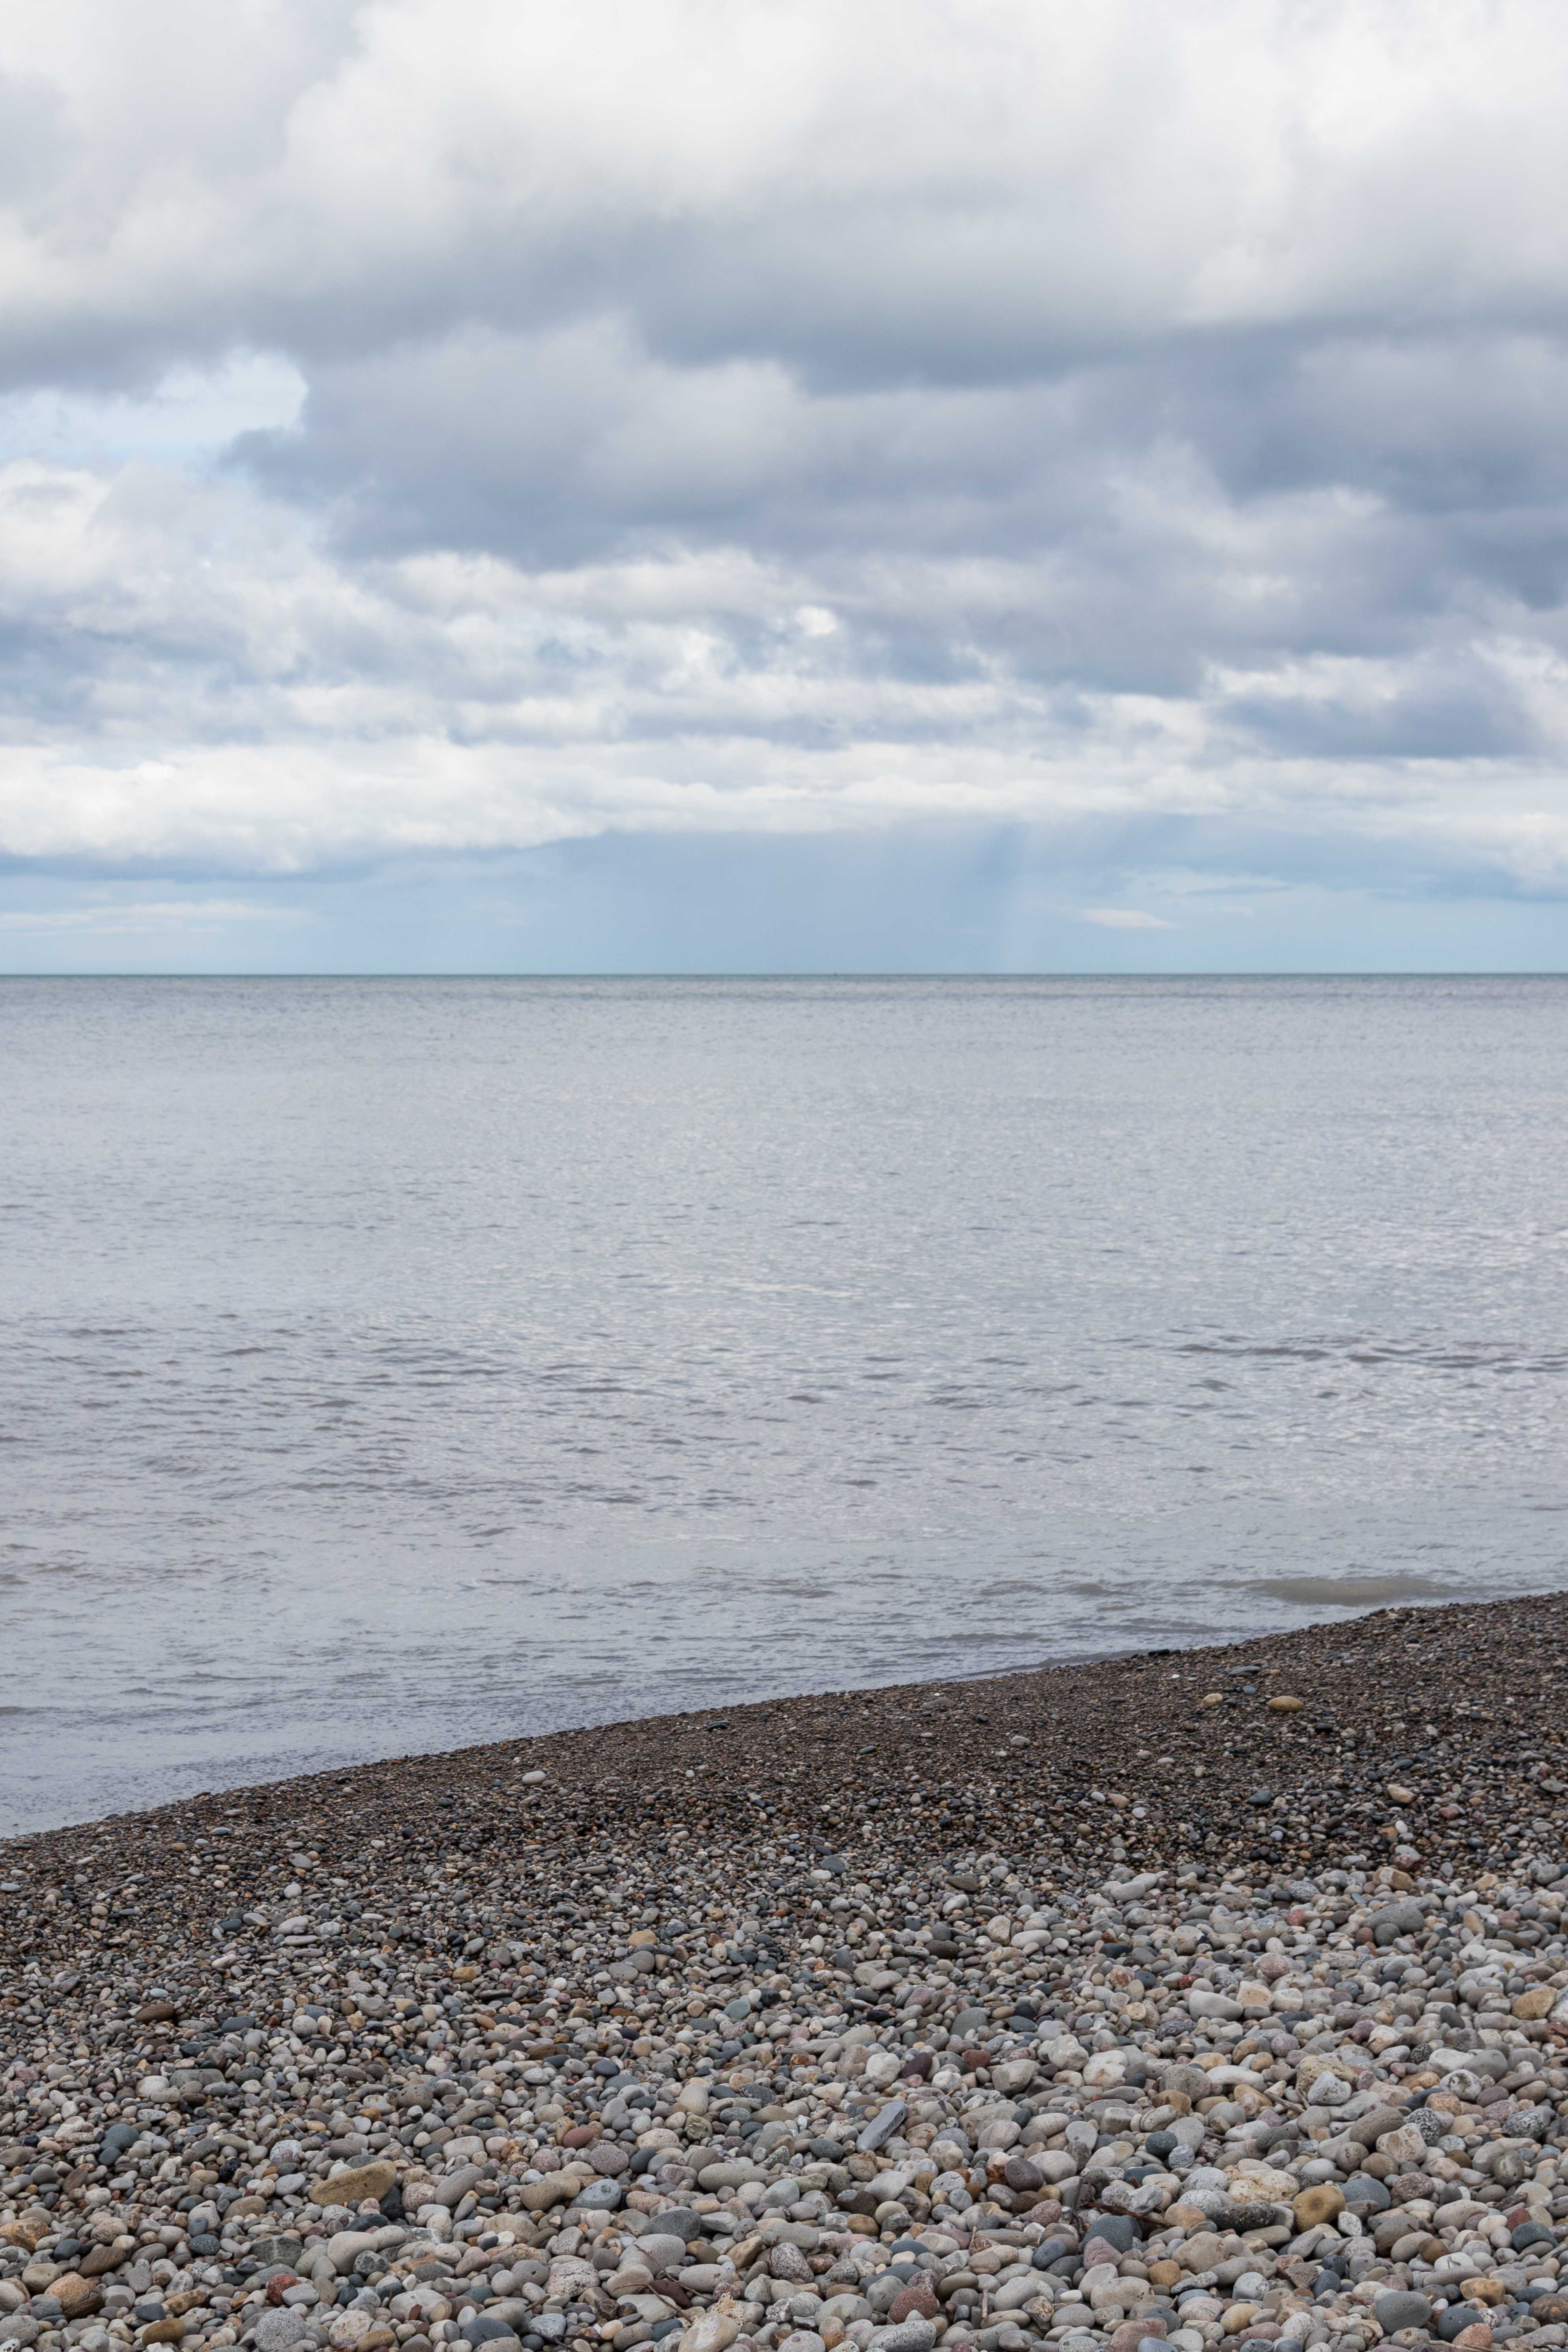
(951, 191)
(436, 431)
(130, 919)
(1125, 919)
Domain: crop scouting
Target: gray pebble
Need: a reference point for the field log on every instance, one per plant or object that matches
(908, 2336)
(1396, 2309)
(278, 2330)
(878, 2132)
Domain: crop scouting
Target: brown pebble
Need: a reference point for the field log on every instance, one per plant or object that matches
(76, 2296)
(917, 2301)
(365, 2183)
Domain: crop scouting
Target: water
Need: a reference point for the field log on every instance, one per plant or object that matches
(394, 1364)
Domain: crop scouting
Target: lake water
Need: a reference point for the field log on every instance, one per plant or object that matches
(392, 1364)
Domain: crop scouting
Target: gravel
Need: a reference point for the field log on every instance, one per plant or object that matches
(1190, 1998)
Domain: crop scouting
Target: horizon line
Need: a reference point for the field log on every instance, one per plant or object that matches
(823, 973)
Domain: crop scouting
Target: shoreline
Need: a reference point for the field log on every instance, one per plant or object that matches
(332, 1770)
(932, 1984)
(1502, 1646)
(329, 1771)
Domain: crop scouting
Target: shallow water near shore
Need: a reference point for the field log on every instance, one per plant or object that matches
(394, 1364)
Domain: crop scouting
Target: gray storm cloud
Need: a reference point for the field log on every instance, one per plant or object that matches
(788, 418)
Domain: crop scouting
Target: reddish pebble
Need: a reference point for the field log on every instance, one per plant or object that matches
(918, 2301)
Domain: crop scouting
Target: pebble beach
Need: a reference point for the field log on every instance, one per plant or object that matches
(1190, 1998)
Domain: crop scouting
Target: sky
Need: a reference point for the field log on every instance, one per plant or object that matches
(709, 485)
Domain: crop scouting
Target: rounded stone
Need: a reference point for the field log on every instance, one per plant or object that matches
(280, 2330)
(1369, 2128)
(599, 2196)
(77, 2297)
(1318, 2205)
(908, 2336)
(347, 2329)
(659, 2250)
(1397, 2308)
(1118, 2230)
(1531, 2233)
(916, 2301)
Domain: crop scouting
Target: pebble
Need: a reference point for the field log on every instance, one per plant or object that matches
(1397, 2308)
(605, 2052)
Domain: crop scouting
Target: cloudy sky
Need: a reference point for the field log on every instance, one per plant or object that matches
(699, 484)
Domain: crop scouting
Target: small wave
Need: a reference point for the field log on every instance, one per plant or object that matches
(1350, 1591)
(1432, 1355)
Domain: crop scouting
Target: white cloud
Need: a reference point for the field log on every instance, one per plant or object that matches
(979, 178)
(1126, 422)
(198, 678)
(1125, 919)
(131, 918)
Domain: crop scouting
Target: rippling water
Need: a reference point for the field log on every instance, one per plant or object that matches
(392, 1364)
